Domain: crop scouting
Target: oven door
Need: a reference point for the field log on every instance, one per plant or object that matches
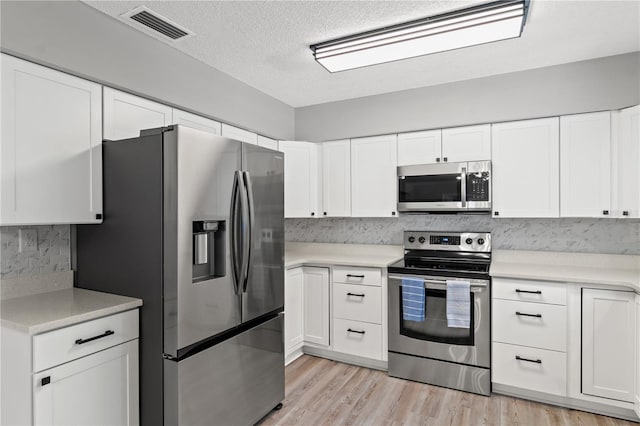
(432, 187)
(432, 338)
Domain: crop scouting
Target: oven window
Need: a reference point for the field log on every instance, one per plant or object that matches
(434, 327)
(430, 188)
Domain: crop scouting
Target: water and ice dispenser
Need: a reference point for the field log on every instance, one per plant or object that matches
(208, 249)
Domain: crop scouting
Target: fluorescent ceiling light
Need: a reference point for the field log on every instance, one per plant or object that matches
(479, 24)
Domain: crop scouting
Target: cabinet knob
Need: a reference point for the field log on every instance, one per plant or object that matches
(437, 159)
(313, 213)
(393, 213)
(496, 213)
(445, 159)
(98, 216)
(605, 212)
(325, 213)
(45, 380)
(625, 213)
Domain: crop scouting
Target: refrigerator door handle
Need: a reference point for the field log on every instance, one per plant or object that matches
(250, 208)
(245, 232)
(233, 234)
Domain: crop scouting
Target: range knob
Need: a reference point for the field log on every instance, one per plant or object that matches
(421, 240)
(412, 239)
(468, 241)
(481, 241)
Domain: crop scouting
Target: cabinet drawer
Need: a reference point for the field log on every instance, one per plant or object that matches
(530, 324)
(357, 302)
(549, 375)
(63, 345)
(367, 343)
(366, 276)
(530, 291)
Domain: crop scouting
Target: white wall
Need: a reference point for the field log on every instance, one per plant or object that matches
(599, 84)
(73, 37)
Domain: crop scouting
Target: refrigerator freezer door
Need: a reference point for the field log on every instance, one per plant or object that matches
(235, 382)
(263, 289)
(198, 181)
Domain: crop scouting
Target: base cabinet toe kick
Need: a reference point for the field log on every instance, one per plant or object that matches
(568, 344)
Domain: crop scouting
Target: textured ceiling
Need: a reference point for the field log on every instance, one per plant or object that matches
(266, 43)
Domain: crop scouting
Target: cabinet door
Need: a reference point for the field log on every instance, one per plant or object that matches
(301, 179)
(419, 148)
(336, 178)
(293, 305)
(636, 403)
(196, 121)
(125, 114)
(316, 306)
(608, 335)
(469, 143)
(51, 147)
(525, 162)
(585, 165)
(267, 142)
(373, 177)
(238, 134)
(626, 157)
(99, 389)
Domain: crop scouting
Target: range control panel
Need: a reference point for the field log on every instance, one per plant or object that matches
(450, 241)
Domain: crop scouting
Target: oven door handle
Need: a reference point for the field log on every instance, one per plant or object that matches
(436, 284)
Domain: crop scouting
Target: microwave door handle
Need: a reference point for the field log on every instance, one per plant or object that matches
(463, 188)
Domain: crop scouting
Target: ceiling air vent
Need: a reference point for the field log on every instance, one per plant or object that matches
(155, 24)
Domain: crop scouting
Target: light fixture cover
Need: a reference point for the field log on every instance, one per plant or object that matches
(479, 24)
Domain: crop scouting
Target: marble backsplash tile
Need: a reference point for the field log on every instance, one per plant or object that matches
(612, 236)
(51, 255)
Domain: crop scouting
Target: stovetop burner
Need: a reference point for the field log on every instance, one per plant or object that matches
(447, 254)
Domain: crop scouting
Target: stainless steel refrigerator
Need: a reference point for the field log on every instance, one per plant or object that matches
(194, 225)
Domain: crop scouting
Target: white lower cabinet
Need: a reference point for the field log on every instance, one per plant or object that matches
(99, 389)
(83, 374)
(530, 368)
(608, 335)
(293, 317)
(316, 306)
(357, 338)
(529, 337)
(636, 403)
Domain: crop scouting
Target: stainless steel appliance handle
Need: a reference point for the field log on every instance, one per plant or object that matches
(251, 223)
(436, 284)
(233, 235)
(245, 227)
(463, 188)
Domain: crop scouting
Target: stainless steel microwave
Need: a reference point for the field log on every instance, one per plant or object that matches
(445, 187)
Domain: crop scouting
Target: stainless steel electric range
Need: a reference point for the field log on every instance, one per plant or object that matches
(430, 350)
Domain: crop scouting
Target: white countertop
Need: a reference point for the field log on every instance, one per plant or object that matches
(44, 312)
(367, 255)
(587, 268)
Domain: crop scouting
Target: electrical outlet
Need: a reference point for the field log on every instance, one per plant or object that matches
(28, 240)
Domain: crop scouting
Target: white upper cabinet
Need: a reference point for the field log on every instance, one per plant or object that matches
(373, 176)
(585, 165)
(302, 195)
(419, 147)
(336, 178)
(469, 143)
(626, 158)
(195, 121)
(229, 131)
(525, 162)
(51, 147)
(125, 115)
(267, 142)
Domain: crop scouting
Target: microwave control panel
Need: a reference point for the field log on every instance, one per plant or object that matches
(478, 186)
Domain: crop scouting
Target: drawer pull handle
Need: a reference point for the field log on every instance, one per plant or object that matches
(355, 331)
(91, 339)
(355, 294)
(45, 381)
(529, 315)
(355, 276)
(528, 291)
(537, 361)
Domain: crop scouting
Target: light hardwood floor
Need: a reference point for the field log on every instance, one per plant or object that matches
(324, 392)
